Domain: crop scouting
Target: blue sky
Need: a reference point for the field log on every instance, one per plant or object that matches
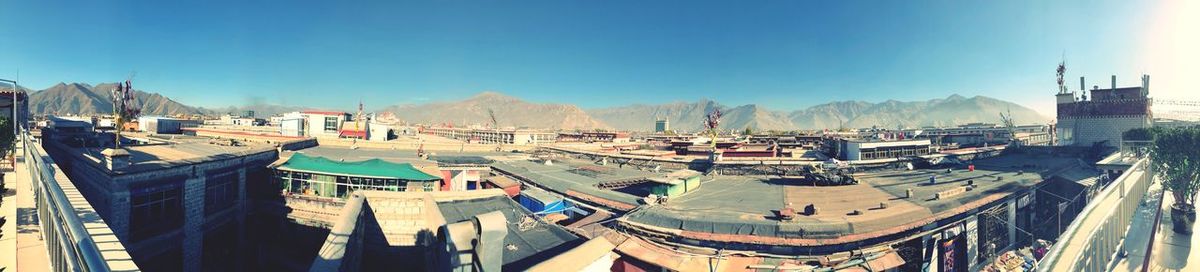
(782, 54)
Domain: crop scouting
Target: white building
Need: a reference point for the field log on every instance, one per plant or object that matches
(159, 125)
(492, 136)
(1104, 117)
(378, 132)
(870, 150)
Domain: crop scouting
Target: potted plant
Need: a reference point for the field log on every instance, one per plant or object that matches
(1176, 160)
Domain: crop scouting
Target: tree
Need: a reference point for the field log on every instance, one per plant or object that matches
(1176, 159)
(747, 132)
(7, 138)
(1139, 134)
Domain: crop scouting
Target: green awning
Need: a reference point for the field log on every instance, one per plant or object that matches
(373, 168)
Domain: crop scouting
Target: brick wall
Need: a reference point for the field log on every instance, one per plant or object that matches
(193, 221)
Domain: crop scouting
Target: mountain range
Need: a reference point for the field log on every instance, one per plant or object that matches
(509, 112)
(79, 98)
(86, 99)
(684, 116)
(953, 110)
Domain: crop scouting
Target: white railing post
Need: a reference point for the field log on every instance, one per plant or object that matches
(1098, 243)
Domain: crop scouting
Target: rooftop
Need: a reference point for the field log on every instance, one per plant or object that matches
(162, 151)
(541, 196)
(566, 176)
(401, 222)
(391, 155)
(742, 208)
(529, 241)
(373, 168)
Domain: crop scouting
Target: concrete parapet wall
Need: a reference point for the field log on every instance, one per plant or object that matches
(116, 257)
(298, 144)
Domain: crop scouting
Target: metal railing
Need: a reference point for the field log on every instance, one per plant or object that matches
(69, 246)
(1089, 246)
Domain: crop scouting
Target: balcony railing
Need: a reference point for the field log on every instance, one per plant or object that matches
(69, 243)
(1092, 240)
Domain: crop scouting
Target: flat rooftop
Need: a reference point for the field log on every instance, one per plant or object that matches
(746, 205)
(403, 216)
(164, 151)
(576, 175)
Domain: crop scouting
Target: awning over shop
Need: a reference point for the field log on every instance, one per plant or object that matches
(346, 133)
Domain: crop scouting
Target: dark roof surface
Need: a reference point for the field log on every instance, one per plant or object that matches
(528, 242)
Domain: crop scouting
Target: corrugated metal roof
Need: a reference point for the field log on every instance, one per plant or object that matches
(541, 196)
(374, 168)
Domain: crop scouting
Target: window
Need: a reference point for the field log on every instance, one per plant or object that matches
(428, 186)
(220, 246)
(220, 192)
(331, 124)
(155, 212)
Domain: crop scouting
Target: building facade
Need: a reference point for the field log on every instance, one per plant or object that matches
(324, 124)
(856, 149)
(1102, 119)
(172, 214)
(492, 136)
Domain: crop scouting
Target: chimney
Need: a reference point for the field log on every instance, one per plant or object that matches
(115, 159)
(1114, 82)
(477, 243)
(490, 250)
(1145, 85)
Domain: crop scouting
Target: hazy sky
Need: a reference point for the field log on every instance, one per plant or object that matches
(782, 54)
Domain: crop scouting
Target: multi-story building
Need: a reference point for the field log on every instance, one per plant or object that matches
(177, 205)
(591, 137)
(493, 136)
(1102, 119)
(324, 124)
(988, 130)
(662, 126)
(861, 149)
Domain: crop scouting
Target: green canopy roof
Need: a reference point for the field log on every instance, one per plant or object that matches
(374, 168)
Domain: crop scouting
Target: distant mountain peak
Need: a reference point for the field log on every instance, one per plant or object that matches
(833, 114)
(85, 99)
(490, 94)
(509, 112)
